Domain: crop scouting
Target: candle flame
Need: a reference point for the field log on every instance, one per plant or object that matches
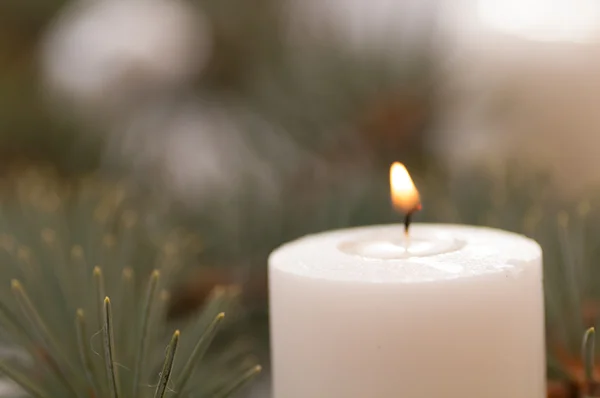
(405, 196)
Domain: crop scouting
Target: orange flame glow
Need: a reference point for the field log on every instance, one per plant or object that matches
(405, 196)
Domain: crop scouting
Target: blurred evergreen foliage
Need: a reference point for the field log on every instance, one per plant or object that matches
(29, 130)
(66, 248)
(310, 91)
(351, 114)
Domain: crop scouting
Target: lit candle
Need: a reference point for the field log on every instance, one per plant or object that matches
(358, 313)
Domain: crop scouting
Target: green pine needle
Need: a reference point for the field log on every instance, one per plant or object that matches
(240, 383)
(109, 349)
(36, 321)
(588, 350)
(100, 292)
(146, 312)
(167, 369)
(198, 352)
(23, 381)
(84, 351)
(31, 314)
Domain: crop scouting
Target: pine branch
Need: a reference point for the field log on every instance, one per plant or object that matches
(60, 312)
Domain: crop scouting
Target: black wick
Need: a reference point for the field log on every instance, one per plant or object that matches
(407, 221)
(408, 218)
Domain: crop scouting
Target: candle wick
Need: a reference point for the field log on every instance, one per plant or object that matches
(407, 221)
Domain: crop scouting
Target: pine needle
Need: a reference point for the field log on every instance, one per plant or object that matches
(146, 313)
(126, 306)
(31, 314)
(197, 354)
(23, 381)
(84, 351)
(587, 353)
(218, 300)
(109, 349)
(240, 383)
(165, 374)
(13, 325)
(100, 293)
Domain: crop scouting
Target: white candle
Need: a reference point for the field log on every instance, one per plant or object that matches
(457, 313)
(523, 82)
(352, 315)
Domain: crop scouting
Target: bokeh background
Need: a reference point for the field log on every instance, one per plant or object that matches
(254, 123)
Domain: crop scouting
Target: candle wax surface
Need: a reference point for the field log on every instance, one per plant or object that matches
(382, 254)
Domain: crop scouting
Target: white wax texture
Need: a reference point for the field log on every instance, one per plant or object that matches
(464, 320)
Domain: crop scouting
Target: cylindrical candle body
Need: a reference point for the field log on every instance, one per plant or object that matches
(348, 320)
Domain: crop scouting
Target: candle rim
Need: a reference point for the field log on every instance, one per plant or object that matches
(528, 252)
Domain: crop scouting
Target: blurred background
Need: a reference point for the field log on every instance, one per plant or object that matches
(254, 123)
